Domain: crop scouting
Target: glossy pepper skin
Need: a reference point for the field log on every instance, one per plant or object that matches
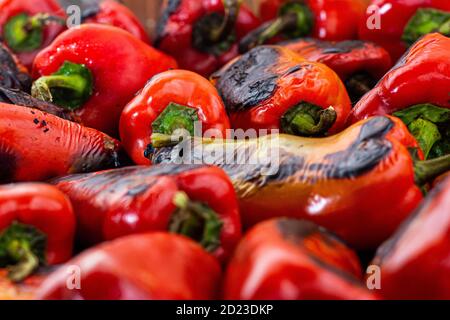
(13, 74)
(422, 76)
(40, 219)
(110, 12)
(413, 261)
(394, 16)
(338, 182)
(114, 65)
(115, 203)
(36, 146)
(271, 87)
(10, 9)
(158, 266)
(359, 64)
(185, 27)
(145, 115)
(332, 20)
(287, 259)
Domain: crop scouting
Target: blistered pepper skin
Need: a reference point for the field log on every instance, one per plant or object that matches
(36, 146)
(287, 259)
(421, 76)
(120, 64)
(259, 87)
(115, 203)
(158, 266)
(45, 208)
(413, 262)
(334, 20)
(182, 87)
(393, 16)
(338, 182)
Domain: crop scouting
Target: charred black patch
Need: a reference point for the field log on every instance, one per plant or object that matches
(20, 98)
(250, 80)
(171, 8)
(296, 230)
(342, 46)
(10, 75)
(364, 154)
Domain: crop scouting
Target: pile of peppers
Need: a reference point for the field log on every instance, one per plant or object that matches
(238, 154)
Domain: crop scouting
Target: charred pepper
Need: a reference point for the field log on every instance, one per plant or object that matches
(13, 74)
(271, 87)
(203, 34)
(417, 91)
(37, 227)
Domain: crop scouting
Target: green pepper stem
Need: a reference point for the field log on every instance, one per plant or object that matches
(295, 21)
(160, 140)
(426, 20)
(308, 120)
(197, 221)
(229, 22)
(28, 262)
(426, 171)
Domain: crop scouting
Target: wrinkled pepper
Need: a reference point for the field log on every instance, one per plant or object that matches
(414, 262)
(37, 227)
(196, 201)
(338, 182)
(95, 70)
(171, 101)
(287, 259)
(13, 74)
(158, 266)
(359, 64)
(271, 87)
(29, 26)
(332, 20)
(203, 34)
(36, 146)
(417, 91)
(397, 24)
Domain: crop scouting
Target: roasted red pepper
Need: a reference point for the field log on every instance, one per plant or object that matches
(37, 226)
(13, 74)
(29, 26)
(417, 91)
(36, 146)
(271, 87)
(172, 100)
(96, 70)
(397, 24)
(359, 64)
(139, 267)
(286, 259)
(202, 34)
(112, 13)
(338, 182)
(195, 201)
(414, 262)
(332, 20)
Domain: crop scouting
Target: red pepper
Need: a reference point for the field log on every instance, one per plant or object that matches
(338, 182)
(112, 13)
(37, 226)
(202, 34)
(13, 74)
(195, 201)
(359, 64)
(333, 20)
(414, 262)
(401, 23)
(96, 70)
(172, 100)
(271, 87)
(36, 146)
(140, 267)
(417, 91)
(29, 26)
(286, 259)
